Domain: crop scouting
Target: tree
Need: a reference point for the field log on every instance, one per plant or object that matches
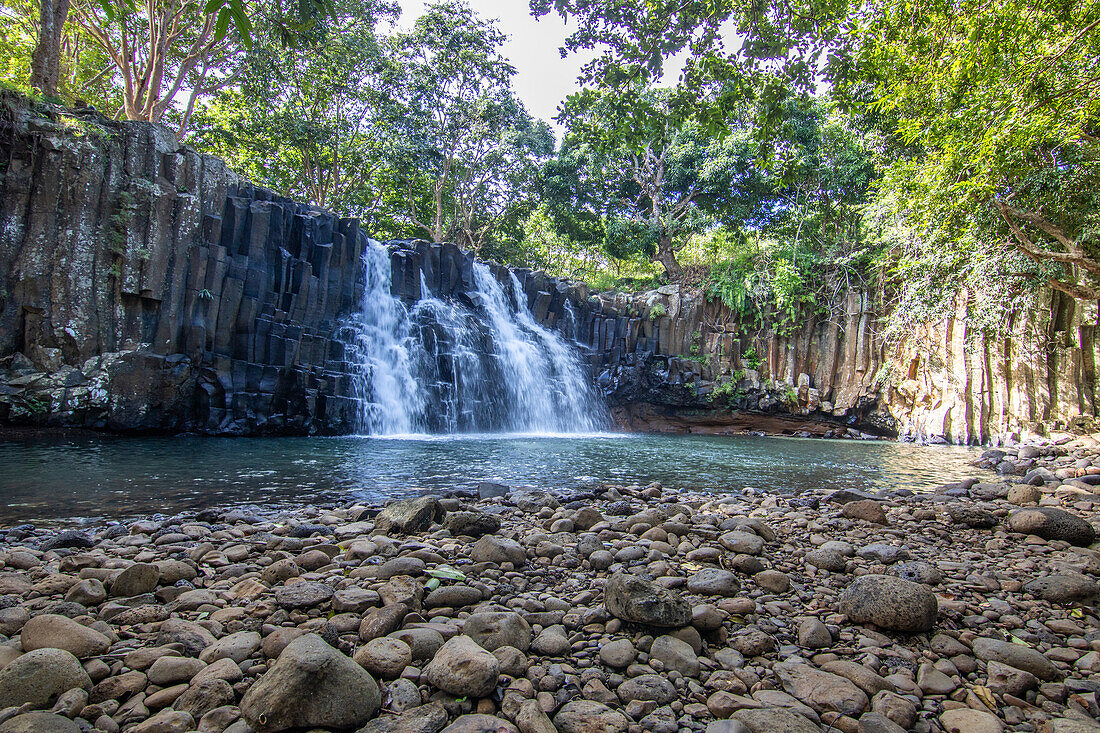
(164, 47)
(663, 170)
(459, 129)
(46, 60)
(310, 120)
(1002, 100)
(995, 104)
(778, 48)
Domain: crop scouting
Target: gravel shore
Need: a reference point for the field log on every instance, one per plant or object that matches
(625, 609)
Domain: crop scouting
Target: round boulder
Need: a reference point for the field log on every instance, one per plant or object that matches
(40, 676)
(890, 603)
(311, 685)
(1064, 588)
(39, 723)
(1052, 523)
(589, 716)
(641, 601)
(494, 629)
(50, 631)
(461, 667)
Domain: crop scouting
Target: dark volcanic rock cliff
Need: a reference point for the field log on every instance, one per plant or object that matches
(143, 287)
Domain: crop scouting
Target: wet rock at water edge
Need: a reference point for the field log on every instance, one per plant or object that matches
(409, 515)
(472, 524)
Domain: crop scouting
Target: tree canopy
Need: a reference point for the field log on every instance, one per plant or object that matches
(805, 147)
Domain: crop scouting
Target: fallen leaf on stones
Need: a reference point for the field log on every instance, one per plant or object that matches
(986, 696)
(446, 573)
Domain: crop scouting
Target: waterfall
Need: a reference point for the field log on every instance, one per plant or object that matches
(444, 365)
(389, 395)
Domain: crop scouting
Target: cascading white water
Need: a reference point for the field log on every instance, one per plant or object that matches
(388, 392)
(444, 367)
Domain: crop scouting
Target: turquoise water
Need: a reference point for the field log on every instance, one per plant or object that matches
(114, 477)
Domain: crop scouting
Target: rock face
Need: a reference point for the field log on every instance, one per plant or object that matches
(642, 601)
(891, 603)
(193, 301)
(1052, 523)
(311, 685)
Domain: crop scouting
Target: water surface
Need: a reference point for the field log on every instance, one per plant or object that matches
(114, 477)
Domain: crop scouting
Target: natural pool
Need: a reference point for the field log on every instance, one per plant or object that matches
(114, 477)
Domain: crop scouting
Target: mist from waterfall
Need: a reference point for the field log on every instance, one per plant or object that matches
(445, 366)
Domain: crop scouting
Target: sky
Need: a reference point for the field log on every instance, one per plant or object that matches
(543, 79)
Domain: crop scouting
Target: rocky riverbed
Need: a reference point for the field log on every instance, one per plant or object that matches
(627, 609)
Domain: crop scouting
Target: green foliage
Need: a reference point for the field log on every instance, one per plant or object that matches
(658, 311)
(82, 62)
(726, 392)
(33, 407)
(308, 121)
(751, 359)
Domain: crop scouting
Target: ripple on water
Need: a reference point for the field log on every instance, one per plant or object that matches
(112, 476)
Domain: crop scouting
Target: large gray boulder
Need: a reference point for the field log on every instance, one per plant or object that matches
(141, 577)
(822, 691)
(1061, 588)
(498, 550)
(471, 524)
(713, 582)
(430, 718)
(40, 676)
(311, 685)
(642, 601)
(890, 603)
(461, 667)
(1016, 655)
(494, 629)
(1052, 523)
(39, 723)
(589, 716)
(409, 515)
(51, 631)
(775, 720)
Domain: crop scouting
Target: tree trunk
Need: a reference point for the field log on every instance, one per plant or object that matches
(46, 60)
(666, 255)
